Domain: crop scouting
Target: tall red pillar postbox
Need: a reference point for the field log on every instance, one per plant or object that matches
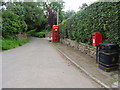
(97, 38)
(55, 33)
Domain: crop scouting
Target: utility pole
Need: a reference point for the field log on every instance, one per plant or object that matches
(57, 16)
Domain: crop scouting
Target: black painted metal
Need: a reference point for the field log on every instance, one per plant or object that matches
(108, 56)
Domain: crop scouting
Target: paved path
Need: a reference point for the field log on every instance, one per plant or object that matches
(39, 65)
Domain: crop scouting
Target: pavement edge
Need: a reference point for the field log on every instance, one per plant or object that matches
(88, 74)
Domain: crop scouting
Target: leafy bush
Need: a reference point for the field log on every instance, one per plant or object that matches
(12, 43)
(98, 17)
(31, 32)
(38, 34)
(11, 24)
(41, 34)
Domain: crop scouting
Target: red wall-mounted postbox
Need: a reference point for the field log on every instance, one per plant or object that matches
(55, 33)
(97, 38)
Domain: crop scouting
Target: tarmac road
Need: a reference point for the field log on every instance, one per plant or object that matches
(38, 64)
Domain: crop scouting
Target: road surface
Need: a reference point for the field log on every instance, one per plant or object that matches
(38, 64)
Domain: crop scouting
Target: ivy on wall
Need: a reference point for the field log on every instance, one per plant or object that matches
(98, 17)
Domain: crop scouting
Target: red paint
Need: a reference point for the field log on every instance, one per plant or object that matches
(55, 34)
(97, 38)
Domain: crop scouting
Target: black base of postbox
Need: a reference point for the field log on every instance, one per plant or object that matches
(108, 56)
(108, 68)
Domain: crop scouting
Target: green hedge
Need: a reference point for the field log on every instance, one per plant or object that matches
(98, 17)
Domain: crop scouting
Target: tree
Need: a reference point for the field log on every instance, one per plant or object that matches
(84, 5)
(18, 9)
(51, 9)
(51, 17)
(34, 16)
(69, 14)
(58, 7)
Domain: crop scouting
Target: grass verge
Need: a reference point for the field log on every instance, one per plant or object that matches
(6, 43)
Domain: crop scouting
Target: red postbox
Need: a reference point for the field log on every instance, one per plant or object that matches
(97, 38)
(55, 33)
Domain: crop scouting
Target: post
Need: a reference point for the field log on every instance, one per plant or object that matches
(97, 54)
(57, 16)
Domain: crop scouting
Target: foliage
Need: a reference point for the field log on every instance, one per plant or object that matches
(51, 17)
(38, 34)
(0, 44)
(21, 17)
(0, 23)
(34, 16)
(84, 5)
(58, 7)
(11, 24)
(12, 43)
(69, 14)
(18, 9)
(31, 32)
(52, 8)
(98, 17)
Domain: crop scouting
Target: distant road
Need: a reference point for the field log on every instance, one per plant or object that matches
(38, 64)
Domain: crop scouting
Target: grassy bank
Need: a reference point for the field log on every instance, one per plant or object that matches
(6, 43)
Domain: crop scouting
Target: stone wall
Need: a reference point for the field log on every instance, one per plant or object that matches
(84, 48)
(22, 36)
